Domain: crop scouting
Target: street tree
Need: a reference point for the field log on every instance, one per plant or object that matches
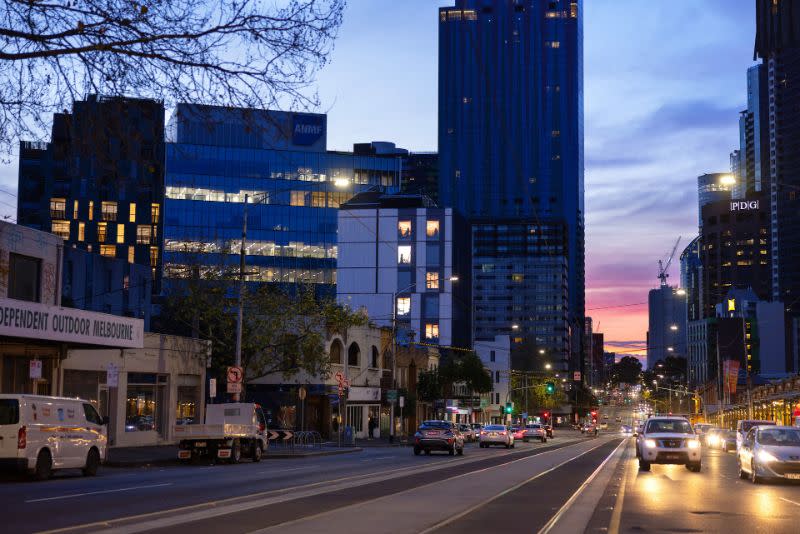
(626, 371)
(466, 368)
(241, 53)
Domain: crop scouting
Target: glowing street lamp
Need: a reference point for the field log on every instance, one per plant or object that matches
(673, 327)
(548, 366)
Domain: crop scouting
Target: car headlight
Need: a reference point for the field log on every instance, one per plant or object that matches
(765, 457)
(693, 443)
(712, 440)
(650, 443)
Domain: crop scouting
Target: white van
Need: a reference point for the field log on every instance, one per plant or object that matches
(39, 434)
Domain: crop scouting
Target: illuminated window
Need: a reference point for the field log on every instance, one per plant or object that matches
(337, 198)
(432, 229)
(91, 210)
(81, 231)
(132, 212)
(131, 254)
(75, 206)
(108, 211)
(153, 256)
(552, 44)
(318, 199)
(403, 305)
(101, 231)
(404, 229)
(298, 198)
(432, 331)
(58, 208)
(60, 228)
(144, 234)
(404, 254)
(432, 280)
(155, 210)
(517, 277)
(120, 233)
(109, 251)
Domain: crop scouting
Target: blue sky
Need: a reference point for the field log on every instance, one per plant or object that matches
(664, 81)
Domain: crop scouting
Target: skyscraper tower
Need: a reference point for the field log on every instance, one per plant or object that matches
(511, 157)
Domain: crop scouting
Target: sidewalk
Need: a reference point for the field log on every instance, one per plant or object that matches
(168, 454)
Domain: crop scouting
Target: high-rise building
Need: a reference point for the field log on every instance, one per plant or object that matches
(754, 135)
(294, 186)
(691, 279)
(421, 174)
(778, 45)
(712, 187)
(511, 149)
(666, 333)
(99, 182)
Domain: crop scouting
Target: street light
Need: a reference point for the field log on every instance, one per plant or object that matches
(673, 327)
(670, 349)
(548, 366)
(514, 327)
(681, 292)
(541, 351)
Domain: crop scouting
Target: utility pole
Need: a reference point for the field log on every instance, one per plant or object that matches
(240, 311)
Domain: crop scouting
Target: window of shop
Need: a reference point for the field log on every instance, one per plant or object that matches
(145, 407)
(84, 385)
(188, 400)
(23, 277)
(355, 418)
(16, 376)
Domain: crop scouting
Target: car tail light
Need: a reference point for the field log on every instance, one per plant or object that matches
(483, 432)
(22, 438)
(503, 433)
(262, 427)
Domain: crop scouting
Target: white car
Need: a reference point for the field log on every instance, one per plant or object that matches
(39, 434)
(496, 435)
(534, 431)
(668, 440)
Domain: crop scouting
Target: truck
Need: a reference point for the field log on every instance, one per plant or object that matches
(231, 431)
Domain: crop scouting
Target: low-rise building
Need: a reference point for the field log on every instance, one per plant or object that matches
(496, 358)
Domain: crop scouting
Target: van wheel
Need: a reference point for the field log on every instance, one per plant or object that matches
(236, 452)
(257, 452)
(92, 463)
(44, 465)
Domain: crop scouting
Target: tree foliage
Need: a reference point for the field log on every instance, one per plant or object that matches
(467, 369)
(243, 53)
(627, 371)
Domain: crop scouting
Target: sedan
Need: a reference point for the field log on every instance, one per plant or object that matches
(468, 433)
(770, 452)
(727, 440)
(438, 436)
(534, 431)
(496, 435)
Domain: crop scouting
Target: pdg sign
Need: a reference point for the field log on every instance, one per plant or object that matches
(744, 205)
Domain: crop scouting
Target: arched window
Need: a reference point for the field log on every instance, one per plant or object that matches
(354, 355)
(373, 362)
(336, 351)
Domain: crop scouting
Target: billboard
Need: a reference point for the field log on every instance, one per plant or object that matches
(307, 128)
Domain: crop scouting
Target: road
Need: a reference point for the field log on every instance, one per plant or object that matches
(573, 483)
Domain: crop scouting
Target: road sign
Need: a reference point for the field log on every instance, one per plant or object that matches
(112, 375)
(280, 435)
(301, 393)
(212, 387)
(402, 401)
(234, 387)
(35, 369)
(391, 395)
(235, 375)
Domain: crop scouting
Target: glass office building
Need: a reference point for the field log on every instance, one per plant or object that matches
(277, 160)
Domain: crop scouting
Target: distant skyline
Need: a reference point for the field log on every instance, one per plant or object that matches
(664, 83)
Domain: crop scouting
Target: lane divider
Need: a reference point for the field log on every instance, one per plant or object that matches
(616, 514)
(74, 495)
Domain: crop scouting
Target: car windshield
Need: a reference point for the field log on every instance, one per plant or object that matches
(533, 426)
(494, 427)
(780, 437)
(673, 426)
(435, 424)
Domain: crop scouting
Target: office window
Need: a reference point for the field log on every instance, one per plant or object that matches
(101, 232)
(120, 233)
(109, 251)
(404, 229)
(91, 210)
(404, 254)
(155, 210)
(132, 212)
(432, 229)
(517, 277)
(144, 234)
(497, 377)
(431, 331)
(492, 356)
(432, 254)
(75, 206)
(153, 256)
(60, 228)
(403, 280)
(23, 277)
(403, 305)
(298, 198)
(108, 211)
(81, 231)
(432, 280)
(58, 208)
(131, 254)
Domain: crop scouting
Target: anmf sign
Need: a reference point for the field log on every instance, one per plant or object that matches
(743, 205)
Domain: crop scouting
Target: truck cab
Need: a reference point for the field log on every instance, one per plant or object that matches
(231, 431)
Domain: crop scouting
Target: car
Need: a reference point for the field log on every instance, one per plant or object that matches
(743, 426)
(518, 432)
(468, 433)
(496, 435)
(438, 436)
(39, 434)
(727, 440)
(476, 427)
(711, 438)
(534, 431)
(626, 430)
(769, 452)
(603, 426)
(668, 440)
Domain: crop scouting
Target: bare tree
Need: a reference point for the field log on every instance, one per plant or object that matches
(243, 53)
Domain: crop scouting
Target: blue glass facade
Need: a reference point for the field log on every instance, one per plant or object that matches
(511, 121)
(294, 186)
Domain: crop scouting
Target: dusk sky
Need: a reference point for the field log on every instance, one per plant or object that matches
(664, 82)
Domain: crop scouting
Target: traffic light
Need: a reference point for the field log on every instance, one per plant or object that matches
(546, 415)
(509, 407)
(550, 388)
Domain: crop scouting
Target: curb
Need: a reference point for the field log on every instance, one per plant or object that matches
(268, 456)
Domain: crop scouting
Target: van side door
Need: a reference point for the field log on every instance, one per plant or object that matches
(95, 430)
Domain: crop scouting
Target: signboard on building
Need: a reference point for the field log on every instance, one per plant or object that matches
(744, 205)
(36, 369)
(23, 319)
(364, 394)
(307, 128)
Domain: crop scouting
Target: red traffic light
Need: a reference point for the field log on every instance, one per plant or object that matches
(546, 414)
(594, 413)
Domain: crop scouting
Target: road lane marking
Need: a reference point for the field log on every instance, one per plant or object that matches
(555, 519)
(75, 495)
(616, 515)
(789, 501)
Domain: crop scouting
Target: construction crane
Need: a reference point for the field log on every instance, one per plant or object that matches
(663, 266)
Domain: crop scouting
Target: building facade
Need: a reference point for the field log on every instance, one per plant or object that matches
(511, 141)
(496, 358)
(99, 182)
(403, 261)
(691, 279)
(711, 188)
(666, 332)
(217, 157)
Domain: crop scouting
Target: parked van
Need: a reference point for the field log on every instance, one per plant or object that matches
(40, 434)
